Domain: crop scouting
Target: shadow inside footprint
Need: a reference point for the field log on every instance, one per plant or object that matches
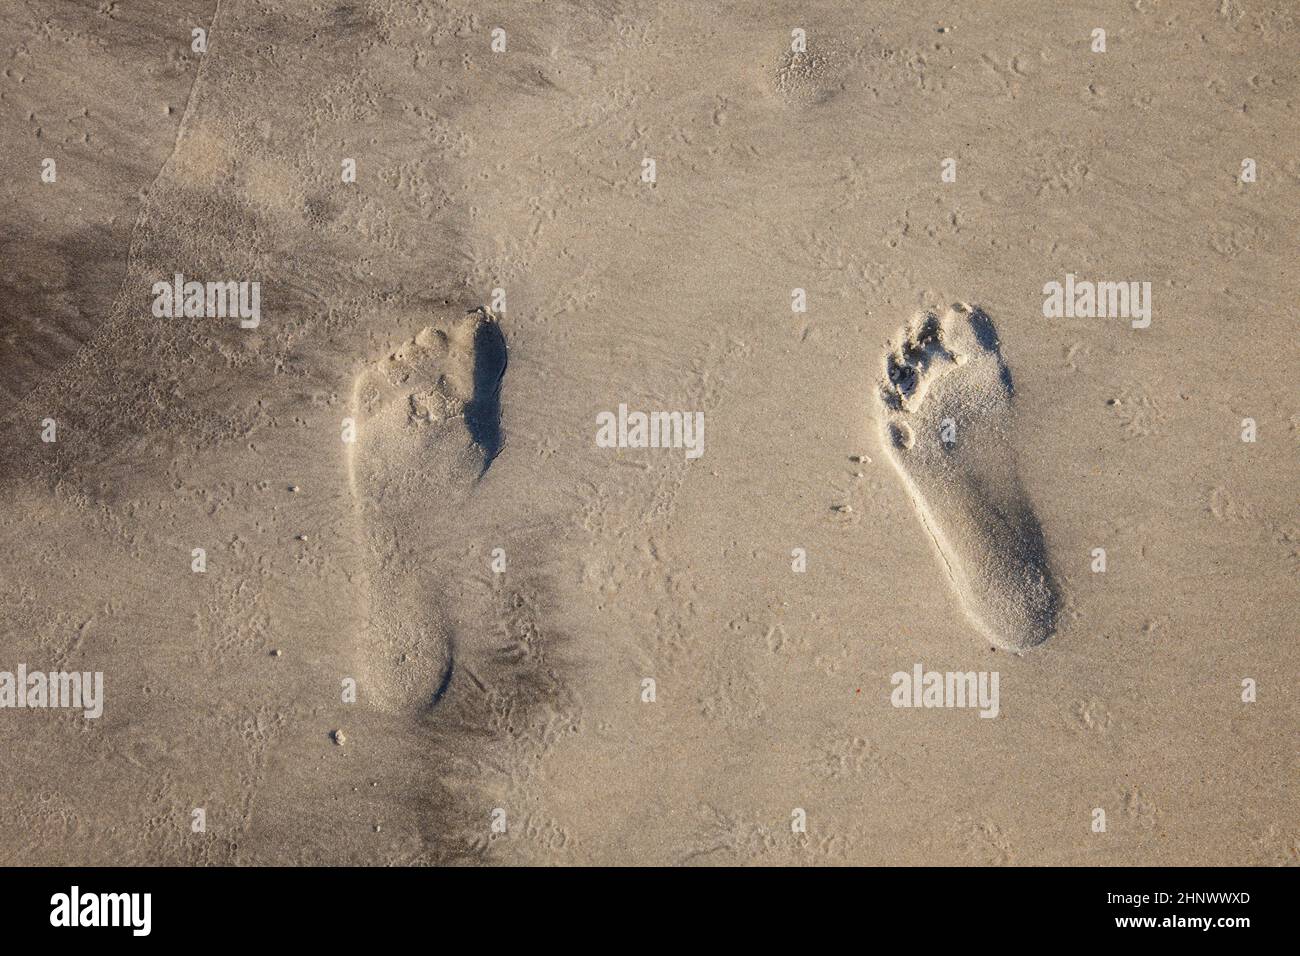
(987, 336)
(441, 690)
(483, 410)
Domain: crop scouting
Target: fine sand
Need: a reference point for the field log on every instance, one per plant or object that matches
(643, 399)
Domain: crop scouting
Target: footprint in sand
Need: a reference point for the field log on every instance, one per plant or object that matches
(947, 396)
(427, 428)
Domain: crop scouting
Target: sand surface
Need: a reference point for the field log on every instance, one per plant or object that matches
(497, 585)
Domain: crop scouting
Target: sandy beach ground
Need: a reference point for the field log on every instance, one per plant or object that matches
(366, 585)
